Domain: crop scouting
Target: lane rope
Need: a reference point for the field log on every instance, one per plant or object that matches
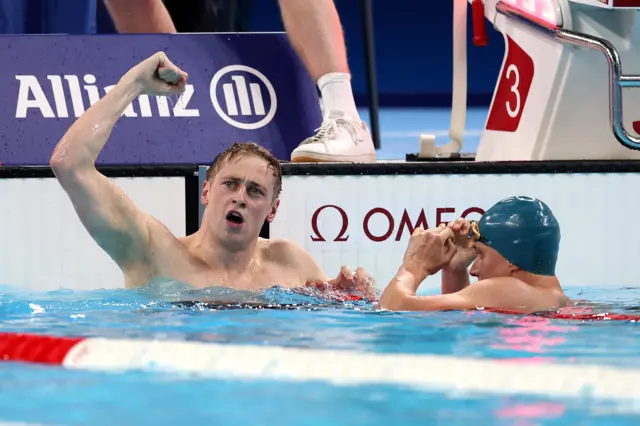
(423, 372)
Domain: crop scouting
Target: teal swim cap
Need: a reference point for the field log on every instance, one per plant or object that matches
(525, 232)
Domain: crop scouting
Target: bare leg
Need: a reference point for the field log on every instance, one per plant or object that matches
(140, 16)
(315, 32)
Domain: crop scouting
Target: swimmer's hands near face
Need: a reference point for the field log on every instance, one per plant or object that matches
(429, 251)
(158, 76)
(465, 253)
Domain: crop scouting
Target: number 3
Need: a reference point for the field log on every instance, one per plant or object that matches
(512, 69)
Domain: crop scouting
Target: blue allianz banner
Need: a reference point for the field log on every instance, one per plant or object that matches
(247, 87)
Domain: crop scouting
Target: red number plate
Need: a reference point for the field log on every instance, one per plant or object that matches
(513, 90)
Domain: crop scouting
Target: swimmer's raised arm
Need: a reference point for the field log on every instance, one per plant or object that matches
(107, 213)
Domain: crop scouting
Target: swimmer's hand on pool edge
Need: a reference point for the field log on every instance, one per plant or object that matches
(360, 283)
(157, 76)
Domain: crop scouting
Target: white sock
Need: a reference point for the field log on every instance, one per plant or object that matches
(337, 95)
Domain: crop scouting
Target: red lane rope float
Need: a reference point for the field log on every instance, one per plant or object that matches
(602, 316)
(36, 348)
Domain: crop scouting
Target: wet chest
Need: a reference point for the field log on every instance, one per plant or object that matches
(257, 277)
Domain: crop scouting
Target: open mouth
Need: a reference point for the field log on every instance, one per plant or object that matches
(235, 219)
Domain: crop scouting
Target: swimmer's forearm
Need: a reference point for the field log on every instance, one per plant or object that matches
(400, 295)
(85, 139)
(401, 288)
(454, 280)
(140, 16)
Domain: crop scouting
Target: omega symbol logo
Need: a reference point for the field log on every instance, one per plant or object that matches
(248, 98)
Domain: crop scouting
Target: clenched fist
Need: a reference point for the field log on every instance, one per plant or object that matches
(158, 76)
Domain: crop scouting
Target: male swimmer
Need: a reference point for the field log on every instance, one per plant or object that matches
(240, 193)
(315, 32)
(515, 246)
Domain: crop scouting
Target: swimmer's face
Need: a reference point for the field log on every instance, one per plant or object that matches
(489, 263)
(239, 198)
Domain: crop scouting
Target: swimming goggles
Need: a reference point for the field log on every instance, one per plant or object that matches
(474, 233)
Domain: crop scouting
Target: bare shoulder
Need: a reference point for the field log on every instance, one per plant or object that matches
(499, 282)
(499, 287)
(292, 255)
(509, 292)
(165, 247)
(283, 250)
(159, 241)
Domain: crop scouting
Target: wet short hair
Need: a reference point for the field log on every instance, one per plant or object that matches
(248, 148)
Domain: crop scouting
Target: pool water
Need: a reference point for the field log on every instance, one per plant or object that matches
(52, 395)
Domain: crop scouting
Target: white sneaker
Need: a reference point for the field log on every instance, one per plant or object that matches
(339, 138)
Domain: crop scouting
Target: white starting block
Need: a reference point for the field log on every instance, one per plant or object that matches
(560, 93)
